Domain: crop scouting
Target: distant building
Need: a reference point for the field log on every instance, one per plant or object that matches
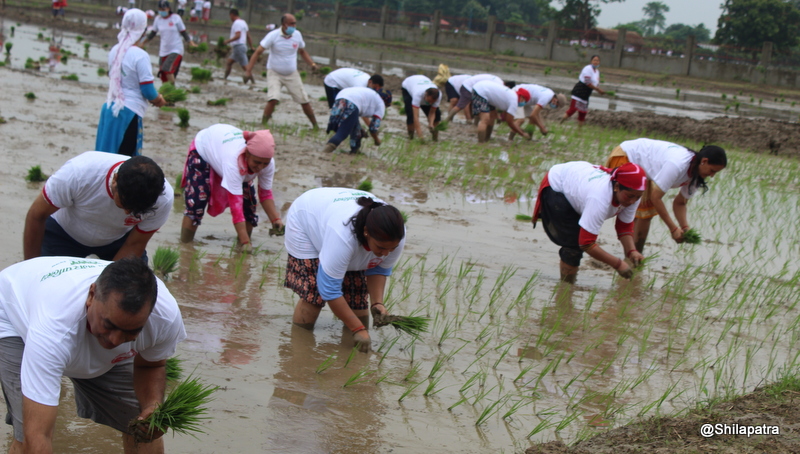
(606, 38)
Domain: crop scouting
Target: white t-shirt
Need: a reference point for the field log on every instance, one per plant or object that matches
(81, 190)
(665, 163)
(367, 100)
(416, 86)
(500, 97)
(590, 75)
(347, 77)
(457, 81)
(198, 6)
(282, 51)
(220, 146)
(317, 226)
(588, 189)
(206, 5)
(136, 71)
(43, 301)
(170, 29)
(470, 82)
(239, 25)
(181, 4)
(539, 96)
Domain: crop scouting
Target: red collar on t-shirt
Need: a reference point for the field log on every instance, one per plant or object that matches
(108, 178)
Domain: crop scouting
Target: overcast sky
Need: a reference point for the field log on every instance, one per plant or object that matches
(690, 12)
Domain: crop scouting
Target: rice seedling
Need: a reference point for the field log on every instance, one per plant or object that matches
(405, 216)
(365, 185)
(195, 90)
(442, 126)
(172, 94)
(530, 129)
(40, 36)
(358, 377)
(412, 372)
(199, 49)
(303, 74)
(352, 355)
(101, 72)
(489, 411)
(174, 369)
(73, 77)
(78, 38)
(325, 70)
(182, 411)
(8, 48)
(430, 390)
(86, 47)
(411, 387)
(409, 324)
(165, 260)
(218, 102)
(183, 116)
(323, 98)
(201, 75)
(691, 236)
(35, 175)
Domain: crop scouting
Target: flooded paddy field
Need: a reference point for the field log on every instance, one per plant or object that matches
(512, 357)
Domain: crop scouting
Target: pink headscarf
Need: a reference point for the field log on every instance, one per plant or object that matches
(134, 22)
(260, 144)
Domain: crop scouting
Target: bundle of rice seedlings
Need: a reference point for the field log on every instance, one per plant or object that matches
(442, 126)
(101, 72)
(183, 116)
(323, 98)
(174, 369)
(182, 411)
(365, 185)
(409, 324)
(692, 236)
(401, 110)
(31, 64)
(201, 75)
(8, 48)
(35, 174)
(530, 129)
(86, 47)
(172, 94)
(303, 74)
(202, 47)
(219, 102)
(72, 76)
(524, 217)
(278, 232)
(30, 95)
(325, 70)
(195, 90)
(611, 93)
(165, 260)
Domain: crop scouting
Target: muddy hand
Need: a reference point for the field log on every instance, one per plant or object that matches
(636, 258)
(625, 271)
(362, 341)
(378, 309)
(141, 431)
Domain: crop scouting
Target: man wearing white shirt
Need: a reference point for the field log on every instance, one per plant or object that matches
(283, 45)
(490, 100)
(541, 98)
(343, 78)
(108, 326)
(240, 41)
(98, 203)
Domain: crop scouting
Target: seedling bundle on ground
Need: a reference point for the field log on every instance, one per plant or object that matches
(172, 94)
(165, 260)
(35, 174)
(183, 116)
(200, 74)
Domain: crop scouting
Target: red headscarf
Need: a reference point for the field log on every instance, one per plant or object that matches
(629, 175)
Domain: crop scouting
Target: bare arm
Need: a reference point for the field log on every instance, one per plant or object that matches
(249, 40)
(39, 421)
(656, 198)
(134, 245)
(235, 37)
(376, 284)
(307, 58)
(680, 208)
(596, 88)
(514, 126)
(149, 383)
(629, 248)
(598, 253)
(536, 118)
(272, 212)
(417, 126)
(33, 234)
(253, 60)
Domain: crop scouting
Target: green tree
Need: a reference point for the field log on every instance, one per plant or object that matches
(632, 27)
(654, 19)
(748, 23)
(680, 32)
(580, 14)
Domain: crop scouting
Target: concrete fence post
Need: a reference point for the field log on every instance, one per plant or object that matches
(290, 6)
(549, 44)
(766, 54)
(337, 11)
(619, 48)
(434, 31)
(688, 56)
(384, 17)
(491, 25)
(250, 18)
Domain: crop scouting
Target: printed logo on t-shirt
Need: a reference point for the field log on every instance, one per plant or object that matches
(123, 356)
(294, 45)
(375, 262)
(132, 220)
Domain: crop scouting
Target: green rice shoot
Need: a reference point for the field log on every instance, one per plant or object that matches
(442, 126)
(691, 236)
(30, 95)
(365, 185)
(325, 70)
(35, 174)
(524, 217)
(182, 411)
(201, 75)
(177, 189)
(183, 116)
(165, 260)
(172, 94)
(72, 76)
(409, 324)
(219, 102)
(530, 129)
(174, 369)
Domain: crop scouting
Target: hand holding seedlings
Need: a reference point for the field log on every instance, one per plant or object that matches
(636, 258)
(378, 310)
(362, 340)
(624, 270)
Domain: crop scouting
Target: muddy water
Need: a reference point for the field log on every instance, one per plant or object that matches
(584, 350)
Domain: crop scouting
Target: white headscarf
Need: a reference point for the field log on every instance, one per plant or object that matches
(134, 22)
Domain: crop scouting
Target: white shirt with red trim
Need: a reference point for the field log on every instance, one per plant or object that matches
(500, 97)
(589, 75)
(282, 51)
(665, 163)
(469, 83)
(540, 96)
(81, 190)
(43, 301)
(346, 77)
(136, 71)
(220, 146)
(588, 190)
(416, 87)
(367, 100)
(317, 226)
(170, 29)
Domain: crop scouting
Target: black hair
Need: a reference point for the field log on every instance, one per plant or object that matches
(132, 280)
(510, 83)
(382, 222)
(376, 79)
(716, 157)
(432, 92)
(595, 55)
(235, 12)
(140, 181)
